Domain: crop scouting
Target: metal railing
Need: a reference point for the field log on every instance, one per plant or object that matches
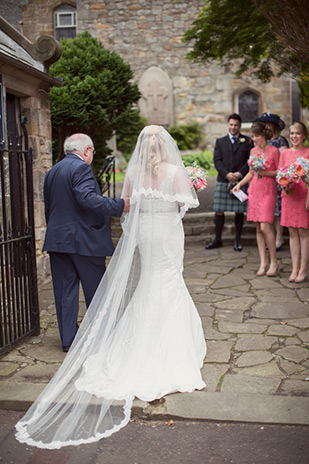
(19, 310)
(107, 179)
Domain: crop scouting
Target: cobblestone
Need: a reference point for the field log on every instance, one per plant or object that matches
(256, 331)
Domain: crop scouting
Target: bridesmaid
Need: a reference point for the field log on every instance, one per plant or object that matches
(295, 206)
(262, 194)
(276, 125)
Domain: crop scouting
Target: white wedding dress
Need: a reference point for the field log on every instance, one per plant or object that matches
(141, 337)
(162, 345)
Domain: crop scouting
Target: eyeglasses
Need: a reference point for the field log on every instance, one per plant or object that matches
(93, 150)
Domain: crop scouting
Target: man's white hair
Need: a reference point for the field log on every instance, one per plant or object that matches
(77, 142)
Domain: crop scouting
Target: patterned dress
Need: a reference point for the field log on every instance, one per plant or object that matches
(263, 192)
(293, 212)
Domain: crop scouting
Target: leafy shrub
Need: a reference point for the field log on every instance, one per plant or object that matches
(187, 136)
(97, 97)
(127, 136)
(204, 159)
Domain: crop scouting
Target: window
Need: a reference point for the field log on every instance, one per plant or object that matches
(65, 22)
(249, 106)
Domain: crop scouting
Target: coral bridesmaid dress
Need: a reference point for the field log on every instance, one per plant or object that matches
(262, 192)
(293, 211)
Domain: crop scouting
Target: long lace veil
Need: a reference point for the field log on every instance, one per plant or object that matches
(82, 404)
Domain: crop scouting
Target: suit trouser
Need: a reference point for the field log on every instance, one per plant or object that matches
(67, 271)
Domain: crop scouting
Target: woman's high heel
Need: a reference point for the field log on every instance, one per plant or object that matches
(261, 272)
(273, 273)
(300, 280)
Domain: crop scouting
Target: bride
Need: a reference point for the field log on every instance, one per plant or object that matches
(141, 336)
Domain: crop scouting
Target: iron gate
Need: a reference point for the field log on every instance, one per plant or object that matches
(19, 311)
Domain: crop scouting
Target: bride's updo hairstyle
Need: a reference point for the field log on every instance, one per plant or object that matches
(259, 128)
(152, 147)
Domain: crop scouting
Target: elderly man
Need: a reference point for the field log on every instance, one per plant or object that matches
(231, 161)
(78, 236)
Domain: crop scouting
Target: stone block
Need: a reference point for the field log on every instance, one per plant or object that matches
(282, 330)
(294, 353)
(212, 374)
(242, 303)
(252, 358)
(279, 298)
(249, 384)
(41, 373)
(235, 328)
(301, 323)
(230, 315)
(270, 369)
(7, 368)
(286, 309)
(254, 342)
(218, 351)
(304, 336)
(44, 354)
(294, 387)
(291, 368)
(205, 309)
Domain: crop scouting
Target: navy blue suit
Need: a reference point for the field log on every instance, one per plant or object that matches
(77, 237)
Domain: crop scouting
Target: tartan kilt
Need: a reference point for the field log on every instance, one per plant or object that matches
(225, 202)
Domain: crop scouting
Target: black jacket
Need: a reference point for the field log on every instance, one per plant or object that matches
(230, 157)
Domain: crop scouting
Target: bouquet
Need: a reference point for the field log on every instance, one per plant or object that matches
(256, 162)
(293, 174)
(300, 170)
(197, 176)
(284, 179)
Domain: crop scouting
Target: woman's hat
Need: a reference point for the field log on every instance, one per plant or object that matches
(269, 117)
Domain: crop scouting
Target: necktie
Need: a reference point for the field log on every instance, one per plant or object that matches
(234, 139)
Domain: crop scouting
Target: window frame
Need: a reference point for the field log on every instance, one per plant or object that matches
(247, 124)
(64, 10)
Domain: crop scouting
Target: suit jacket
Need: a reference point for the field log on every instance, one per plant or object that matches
(77, 215)
(229, 157)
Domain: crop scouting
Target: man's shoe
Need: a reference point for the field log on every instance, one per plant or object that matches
(237, 245)
(65, 349)
(214, 244)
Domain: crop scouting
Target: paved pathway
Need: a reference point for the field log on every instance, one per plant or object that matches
(257, 365)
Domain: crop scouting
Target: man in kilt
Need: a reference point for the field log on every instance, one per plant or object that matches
(231, 161)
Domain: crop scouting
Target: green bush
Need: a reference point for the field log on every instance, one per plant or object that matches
(127, 136)
(187, 136)
(204, 159)
(98, 96)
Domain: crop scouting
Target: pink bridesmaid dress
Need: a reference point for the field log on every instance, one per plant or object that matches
(262, 192)
(293, 211)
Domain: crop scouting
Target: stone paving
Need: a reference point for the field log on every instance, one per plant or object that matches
(256, 327)
(257, 332)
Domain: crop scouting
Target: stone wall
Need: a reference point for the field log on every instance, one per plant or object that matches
(148, 33)
(36, 108)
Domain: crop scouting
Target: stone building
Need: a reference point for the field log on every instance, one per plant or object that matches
(24, 115)
(147, 33)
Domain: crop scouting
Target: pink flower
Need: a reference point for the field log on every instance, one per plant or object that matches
(299, 170)
(283, 181)
(198, 184)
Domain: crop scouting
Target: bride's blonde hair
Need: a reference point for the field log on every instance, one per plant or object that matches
(152, 148)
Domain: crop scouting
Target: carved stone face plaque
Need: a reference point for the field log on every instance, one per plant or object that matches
(156, 103)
